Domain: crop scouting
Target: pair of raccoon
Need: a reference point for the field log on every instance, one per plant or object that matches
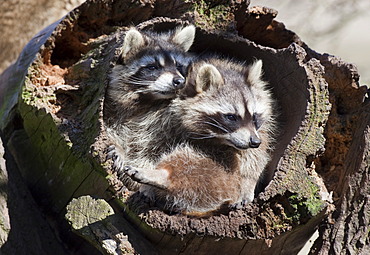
(195, 133)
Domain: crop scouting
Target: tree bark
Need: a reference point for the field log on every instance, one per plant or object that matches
(52, 121)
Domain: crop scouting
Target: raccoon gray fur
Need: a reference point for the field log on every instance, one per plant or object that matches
(210, 145)
(150, 69)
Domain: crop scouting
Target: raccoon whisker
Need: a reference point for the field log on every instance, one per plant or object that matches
(200, 136)
(217, 126)
(158, 91)
(136, 79)
(163, 84)
(138, 84)
(144, 90)
(144, 83)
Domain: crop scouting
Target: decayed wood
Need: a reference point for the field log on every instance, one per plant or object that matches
(56, 131)
(344, 165)
(348, 228)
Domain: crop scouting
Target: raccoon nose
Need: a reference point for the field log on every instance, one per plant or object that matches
(254, 142)
(178, 83)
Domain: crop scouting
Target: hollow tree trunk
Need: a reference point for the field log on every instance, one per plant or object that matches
(51, 118)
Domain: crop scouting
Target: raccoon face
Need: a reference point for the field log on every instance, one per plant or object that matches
(234, 130)
(158, 73)
(227, 109)
(156, 64)
(235, 123)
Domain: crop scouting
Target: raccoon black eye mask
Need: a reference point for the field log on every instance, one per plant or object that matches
(170, 77)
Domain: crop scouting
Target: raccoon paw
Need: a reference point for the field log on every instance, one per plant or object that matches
(133, 173)
(156, 178)
(118, 161)
(110, 152)
(118, 164)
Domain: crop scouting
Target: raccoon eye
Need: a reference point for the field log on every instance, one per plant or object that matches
(151, 67)
(257, 121)
(183, 64)
(179, 67)
(231, 117)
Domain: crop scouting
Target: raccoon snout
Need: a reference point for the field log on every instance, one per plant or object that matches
(254, 142)
(178, 82)
(239, 144)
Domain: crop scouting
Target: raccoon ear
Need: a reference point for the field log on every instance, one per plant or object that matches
(132, 43)
(184, 37)
(254, 74)
(208, 77)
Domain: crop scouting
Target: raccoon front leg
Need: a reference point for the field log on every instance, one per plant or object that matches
(154, 177)
(246, 194)
(247, 191)
(116, 153)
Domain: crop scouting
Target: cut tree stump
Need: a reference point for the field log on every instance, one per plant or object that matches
(52, 122)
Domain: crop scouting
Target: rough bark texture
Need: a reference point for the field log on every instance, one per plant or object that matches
(52, 123)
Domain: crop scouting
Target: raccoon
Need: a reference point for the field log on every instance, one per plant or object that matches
(150, 69)
(208, 148)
